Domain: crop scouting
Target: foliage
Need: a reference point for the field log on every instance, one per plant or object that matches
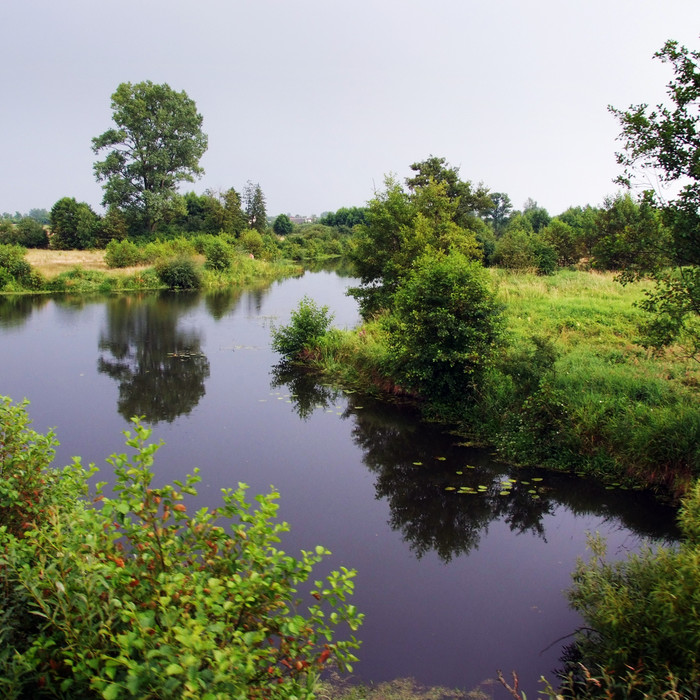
(131, 595)
(252, 242)
(470, 201)
(16, 273)
(444, 327)
(630, 239)
(122, 254)
(157, 143)
(344, 218)
(179, 273)
(309, 323)
(565, 241)
(112, 227)
(399, 227)
(212, 212)
(665, 142)
(254, 201)
(642, 613)
(27, 232)
(74, 225)
(218, 254)
(515, 250)
(499, 213)
(283, 225)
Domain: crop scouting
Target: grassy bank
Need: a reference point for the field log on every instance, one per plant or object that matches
(86, 271)
(568, 389)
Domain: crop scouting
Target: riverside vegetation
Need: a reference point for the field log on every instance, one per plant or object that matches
(132, 595)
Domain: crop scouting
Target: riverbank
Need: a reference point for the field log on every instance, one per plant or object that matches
(568, 388)
(37, 271)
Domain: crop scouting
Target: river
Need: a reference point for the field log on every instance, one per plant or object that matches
(462, 561)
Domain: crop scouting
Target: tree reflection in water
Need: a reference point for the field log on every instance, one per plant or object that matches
(160, 368)
(443, 495)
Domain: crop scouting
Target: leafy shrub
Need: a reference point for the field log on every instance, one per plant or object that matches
(446, 324)
(16, 273)
(642, 616)
(252, 242)
(122, 254)
(218, 255)
(133, 596)
(179, 273)
(308, 325)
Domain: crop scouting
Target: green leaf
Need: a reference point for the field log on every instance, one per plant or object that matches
(173, 669)
(112, 691)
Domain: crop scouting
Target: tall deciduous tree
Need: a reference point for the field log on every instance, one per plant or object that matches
(157, 143)
(665, 142)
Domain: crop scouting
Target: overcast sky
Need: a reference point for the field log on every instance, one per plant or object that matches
(318, 99)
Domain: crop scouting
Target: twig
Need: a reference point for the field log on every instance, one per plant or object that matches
(513, 690)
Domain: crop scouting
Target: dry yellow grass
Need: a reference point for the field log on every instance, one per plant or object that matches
(51, 263)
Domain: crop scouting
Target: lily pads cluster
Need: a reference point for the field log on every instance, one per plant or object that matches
(505, 485)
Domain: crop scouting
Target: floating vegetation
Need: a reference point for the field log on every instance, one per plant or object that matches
(417, 464)
(460, 472)
(469, 466)
(537, 478)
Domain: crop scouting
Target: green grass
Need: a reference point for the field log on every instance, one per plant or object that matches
(595, 402)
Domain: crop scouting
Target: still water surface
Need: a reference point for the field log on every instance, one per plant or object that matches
(459, 575)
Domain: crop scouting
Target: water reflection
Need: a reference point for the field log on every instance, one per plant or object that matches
(443, 496)
(160, 367)
(307, 394)
(15, 309)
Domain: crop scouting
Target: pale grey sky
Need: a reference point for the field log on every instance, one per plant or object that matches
(318, 99)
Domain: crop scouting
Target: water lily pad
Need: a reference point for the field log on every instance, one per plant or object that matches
(441, 459)
(504, 493)
(449, 488)
(417, 464)
(459, 472)
(537, 478)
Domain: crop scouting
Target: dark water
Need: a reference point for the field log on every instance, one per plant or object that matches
(459, 575)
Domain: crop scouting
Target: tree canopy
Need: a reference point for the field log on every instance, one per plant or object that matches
(663, 143)
(157, 143)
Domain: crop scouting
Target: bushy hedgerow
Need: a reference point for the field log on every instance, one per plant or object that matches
(134, 596)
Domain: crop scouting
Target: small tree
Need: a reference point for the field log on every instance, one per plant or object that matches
(74, 225)
(255, 207)
(283, 225)
(444, 327)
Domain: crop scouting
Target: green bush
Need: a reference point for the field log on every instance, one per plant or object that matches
(444, 327)
(218, 255)
(308, 325)
(16, 274)
(252, 242)
(122, 254)
(179, 273)
(642, 635)
(134, 596)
